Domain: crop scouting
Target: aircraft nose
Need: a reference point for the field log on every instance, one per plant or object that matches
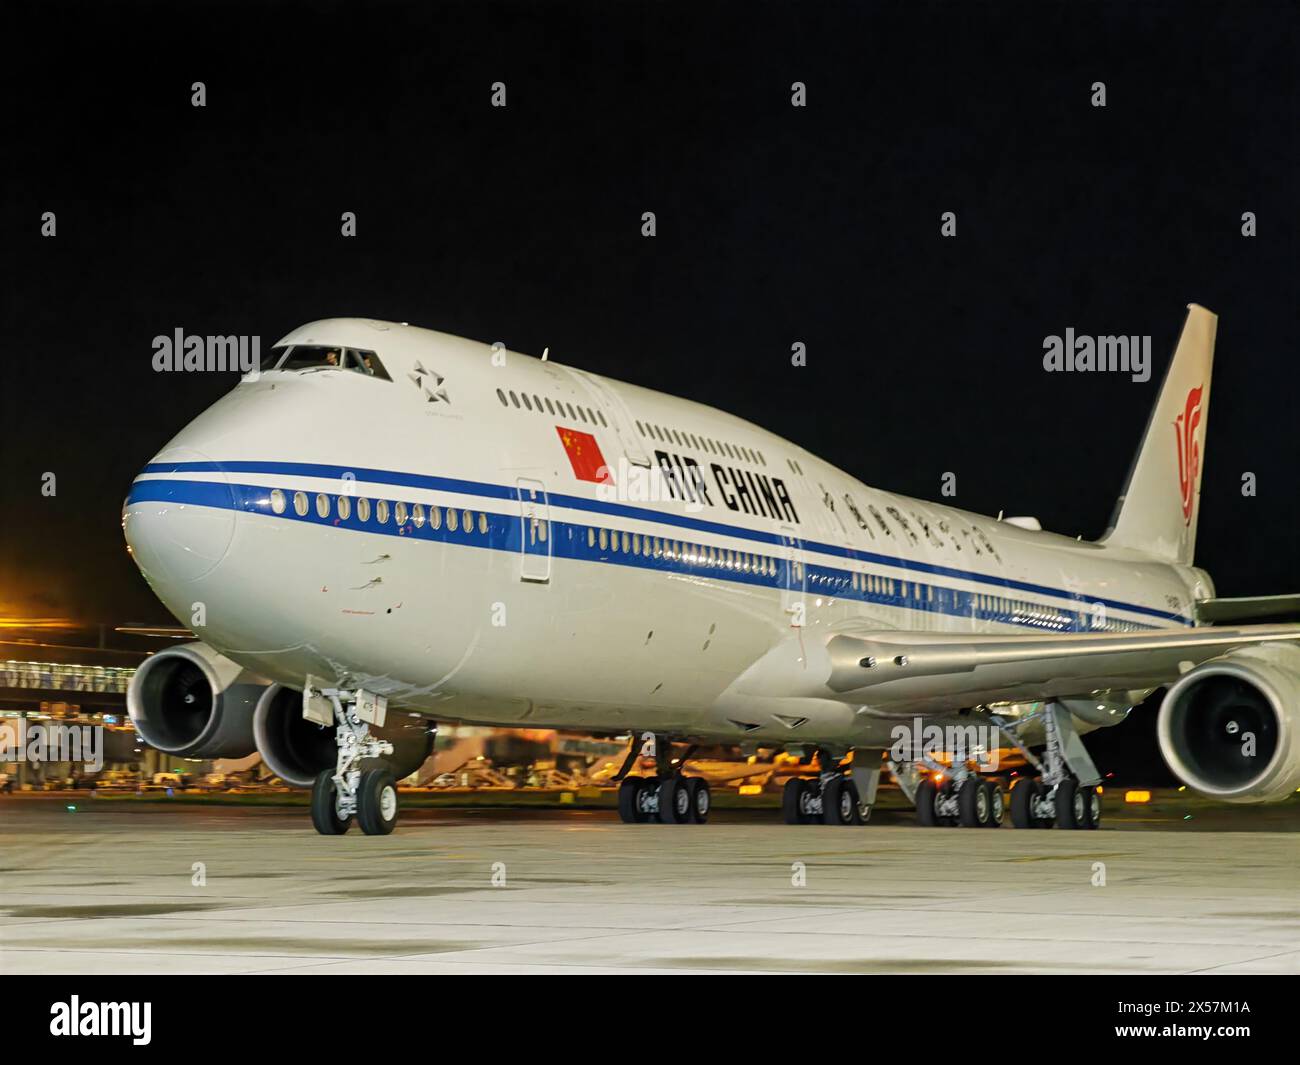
(179, 518)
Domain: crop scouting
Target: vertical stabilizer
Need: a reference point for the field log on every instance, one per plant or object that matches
(1157, 511)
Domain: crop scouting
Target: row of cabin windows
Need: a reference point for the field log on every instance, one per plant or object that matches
(1022, 611)
(701, 443)
(618, 541)
(556, 409)
(417, 514)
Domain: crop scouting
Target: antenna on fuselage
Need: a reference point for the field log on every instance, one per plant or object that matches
(545, 352)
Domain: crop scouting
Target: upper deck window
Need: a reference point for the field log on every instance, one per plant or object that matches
(324, 357)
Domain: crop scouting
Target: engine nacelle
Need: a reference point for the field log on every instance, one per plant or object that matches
(296, 750)
(1228, 727)
(194, 702)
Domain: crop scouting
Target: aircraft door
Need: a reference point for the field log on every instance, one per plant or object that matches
(535, 531)
(608, 399)
(793, 578)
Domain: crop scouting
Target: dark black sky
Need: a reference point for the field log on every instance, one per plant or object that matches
(776, 224)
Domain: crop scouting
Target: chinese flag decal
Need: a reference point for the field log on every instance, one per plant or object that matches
(584, 456)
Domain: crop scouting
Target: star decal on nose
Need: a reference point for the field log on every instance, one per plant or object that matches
(430, 383)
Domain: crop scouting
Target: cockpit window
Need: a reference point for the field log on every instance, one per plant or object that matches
(309, 357)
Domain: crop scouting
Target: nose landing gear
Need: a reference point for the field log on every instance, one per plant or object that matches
(346, 791)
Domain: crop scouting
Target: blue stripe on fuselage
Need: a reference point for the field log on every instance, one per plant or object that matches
(596, 506)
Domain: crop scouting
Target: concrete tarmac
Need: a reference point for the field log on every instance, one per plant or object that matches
(131, 887)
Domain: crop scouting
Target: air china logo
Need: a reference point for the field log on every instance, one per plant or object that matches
(1189, 450)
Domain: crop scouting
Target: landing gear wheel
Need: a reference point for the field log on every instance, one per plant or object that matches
(1023, 793)
(839, 802)
(629, 810)
(926, 797)
(701, 801)
(973, 804)
(324, 806)
(996, 805)
(674, 801)
(1070, 805)
(794, 803)
(856, 817)
(377, 802)
(1090, 802)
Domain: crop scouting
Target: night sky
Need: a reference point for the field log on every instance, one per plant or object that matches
(776, 224)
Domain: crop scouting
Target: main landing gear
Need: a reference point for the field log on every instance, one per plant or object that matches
(1064, 793)
(832, 799)
(347, 791)
(965, 800)
(669, 797)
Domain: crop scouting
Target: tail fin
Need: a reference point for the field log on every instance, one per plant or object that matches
(1158, 509)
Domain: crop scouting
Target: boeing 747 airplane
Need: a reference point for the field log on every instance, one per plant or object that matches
(387, 527)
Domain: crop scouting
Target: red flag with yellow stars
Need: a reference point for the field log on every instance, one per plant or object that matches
(584, 456)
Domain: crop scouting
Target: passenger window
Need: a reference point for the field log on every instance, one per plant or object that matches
(363, 509)
(435, 517)
(345, 507)
(417, 515)
(399, 513)
(381, 512)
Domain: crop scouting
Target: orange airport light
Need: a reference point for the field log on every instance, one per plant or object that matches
(1137, 796)
(751, 789)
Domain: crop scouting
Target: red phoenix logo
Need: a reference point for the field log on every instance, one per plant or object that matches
(1189, 450)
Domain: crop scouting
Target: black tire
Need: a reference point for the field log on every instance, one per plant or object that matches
(324, 812)
(1091, 807)
(972, 804)
(791, 807)
(1022, 807)
(852, 789)
(1069, 804)
(628, 792)
(997, 807)
(674, 801)
(701, 800)
(838, 802)
(926, 795)
(377, 802)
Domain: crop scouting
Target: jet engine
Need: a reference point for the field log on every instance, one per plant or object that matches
(296, 750)
(194, 702)
(1228, 727)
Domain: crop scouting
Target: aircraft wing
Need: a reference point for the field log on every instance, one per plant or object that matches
(909, 671)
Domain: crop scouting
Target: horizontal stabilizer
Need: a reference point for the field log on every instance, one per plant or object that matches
(1251, 608)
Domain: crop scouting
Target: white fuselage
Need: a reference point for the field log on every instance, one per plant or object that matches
(566, 602)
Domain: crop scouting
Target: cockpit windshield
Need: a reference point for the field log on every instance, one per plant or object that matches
(308, 357)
